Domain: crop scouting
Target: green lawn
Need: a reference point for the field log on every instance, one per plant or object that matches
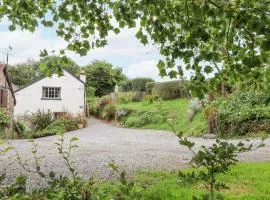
(246, 181)
(175, 109)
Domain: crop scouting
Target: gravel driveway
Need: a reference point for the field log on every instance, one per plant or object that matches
(101, 143)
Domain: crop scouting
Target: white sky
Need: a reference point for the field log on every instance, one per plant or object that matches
(123, 50)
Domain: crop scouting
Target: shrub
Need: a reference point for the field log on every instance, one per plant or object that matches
(132, 121)
(104, 101)
(109, 112)
(69, 121)
(81, 120)
(96, 105)
(171, 90)
(167, 90)
(143, 118)
(138, 84)
(93, 106)
(149, 87)
(90, 91)
(40, 120)
(124, 97)
(137, 97)
(242, 113)
(57, 127)
(4, 119)
(19, 128)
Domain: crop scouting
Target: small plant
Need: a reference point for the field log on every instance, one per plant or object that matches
(149, 99)
(126, 188)
(210, 162)
(40, 120)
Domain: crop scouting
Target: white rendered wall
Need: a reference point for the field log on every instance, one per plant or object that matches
(29, 99)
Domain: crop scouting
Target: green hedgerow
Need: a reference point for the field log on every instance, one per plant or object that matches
(242, 113)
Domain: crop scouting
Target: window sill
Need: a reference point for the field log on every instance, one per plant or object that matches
(51, 99)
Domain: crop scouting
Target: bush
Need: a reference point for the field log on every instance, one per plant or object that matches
(137, 96)
(143, 118)
(138, 84)
(104, 101)
(69, 121)
(171, 90)
(242, 113)
(124, 97)
(93, 106)
(149, 87)
(57, 127)
(167, 90)
(81, 120)
(19, 128)
(96, 105)
(4, 119)
(40, 120)
(90, 91)
(109, 112)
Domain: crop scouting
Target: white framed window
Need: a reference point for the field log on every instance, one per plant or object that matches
(51, 93)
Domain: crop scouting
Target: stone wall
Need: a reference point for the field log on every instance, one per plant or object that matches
(4, 85)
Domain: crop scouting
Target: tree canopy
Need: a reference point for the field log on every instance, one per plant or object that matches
(230, 39)
(102, 76)
(24, 73)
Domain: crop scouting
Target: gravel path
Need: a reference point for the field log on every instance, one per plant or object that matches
(101, 143)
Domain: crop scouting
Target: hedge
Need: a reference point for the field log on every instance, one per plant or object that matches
(149, 87)
(242, 113)
(138, 84)
(168, 90)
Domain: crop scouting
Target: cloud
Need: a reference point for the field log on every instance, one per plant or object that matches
(26, 45)
(123, 50)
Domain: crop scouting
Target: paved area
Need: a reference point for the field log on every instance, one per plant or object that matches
(100, 143)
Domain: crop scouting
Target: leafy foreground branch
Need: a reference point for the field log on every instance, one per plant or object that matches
(209, 161)
(212, 161)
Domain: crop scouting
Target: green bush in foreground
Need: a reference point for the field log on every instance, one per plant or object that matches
(242, 113)
(57, 127)
(40, 120)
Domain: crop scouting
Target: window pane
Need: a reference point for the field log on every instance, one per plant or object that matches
(51, 92)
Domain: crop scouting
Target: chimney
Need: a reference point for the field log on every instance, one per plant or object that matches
(83, 76)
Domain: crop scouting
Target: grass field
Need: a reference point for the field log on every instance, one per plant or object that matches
(246, 182)
(177, 110)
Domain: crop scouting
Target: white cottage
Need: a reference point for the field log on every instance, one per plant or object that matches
(59, 94)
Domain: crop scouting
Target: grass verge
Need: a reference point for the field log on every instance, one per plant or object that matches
(247, 181)
(174, 109)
